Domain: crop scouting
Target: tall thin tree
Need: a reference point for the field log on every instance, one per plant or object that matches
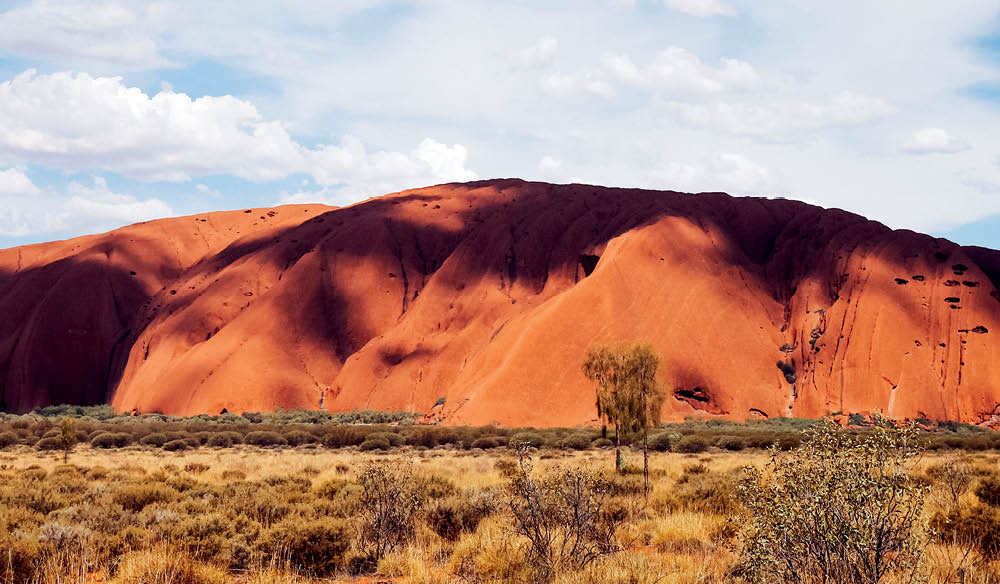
(628, 397)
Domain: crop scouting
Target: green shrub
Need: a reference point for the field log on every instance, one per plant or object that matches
(265, 439)
(840, 509)
(110, 440)
(50, 443)
(220, 440)
(175, 445)
(731, 443)
(341, 436)
(391, 437)
(156, 439)
(575, 442)
(602, 443)
(691, 445)
(658, 442)
(299, 437)
(375, 444)
(488, 442)
(532, 439)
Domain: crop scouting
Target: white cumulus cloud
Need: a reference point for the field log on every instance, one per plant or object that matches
(932, 141)
(105, 32)
(678, 71)
(702, 7)
(15, 183)
(728, 172)
(540, 54)
(25, 209)
(774, 119)
(78, 122)
(360, 173)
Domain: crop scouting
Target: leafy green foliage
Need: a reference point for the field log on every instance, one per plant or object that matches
(842, 508)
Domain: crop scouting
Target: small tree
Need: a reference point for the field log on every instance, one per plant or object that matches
(839, 509)
(389, 504)
(566, 515)
(628, 397)
(67, 437)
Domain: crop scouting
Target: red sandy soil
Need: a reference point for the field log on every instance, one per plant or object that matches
(479, 293)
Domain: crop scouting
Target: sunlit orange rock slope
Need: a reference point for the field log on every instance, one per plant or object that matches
(489, 294)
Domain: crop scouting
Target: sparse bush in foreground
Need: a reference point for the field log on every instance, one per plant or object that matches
(316, 547)
(564, 516)
(389, 504)
(841, 509)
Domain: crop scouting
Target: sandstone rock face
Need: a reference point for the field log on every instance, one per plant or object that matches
(489, 294)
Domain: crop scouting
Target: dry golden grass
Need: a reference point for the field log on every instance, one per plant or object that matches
(667, 539)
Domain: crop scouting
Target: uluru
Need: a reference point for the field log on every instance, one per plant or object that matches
(475, 303)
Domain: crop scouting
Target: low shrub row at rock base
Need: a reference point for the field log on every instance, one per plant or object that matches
(381, 431)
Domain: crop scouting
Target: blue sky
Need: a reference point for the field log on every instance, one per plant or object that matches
(115, 112)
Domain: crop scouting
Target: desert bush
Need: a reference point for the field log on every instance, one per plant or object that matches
(389, 503)
(840, 509)
(731, 443)
(563, 515)
(488, 442)
(156, 439)
(19, 559)
(978, 526)
(175, 445)
(8, 439)
(602, 443)
(375, 444)
(428, 486)
(660, 442)
(451, 516)
(491, 555)
(988, 490)
(507, 467)
(300, 437)
(316, 547)
(136, 497)
(110, 440)
(426, 437)
(691, 445)
(391, 437)
(532, 439)
(196, 467)
(50, 443)
(575, 442)
(220, 440)
(341, 436)
(264, 438)
(952, 479)
(705, 491)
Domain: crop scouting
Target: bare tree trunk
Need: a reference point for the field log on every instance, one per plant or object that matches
(619, 459)
(645, 463)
